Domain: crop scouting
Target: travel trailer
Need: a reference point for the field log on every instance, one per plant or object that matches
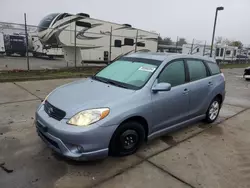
(96, 40)
(2, 48)
(220, 52)
(45, 50)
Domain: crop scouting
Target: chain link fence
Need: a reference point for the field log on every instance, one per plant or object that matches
(221, 52)
(22, 49)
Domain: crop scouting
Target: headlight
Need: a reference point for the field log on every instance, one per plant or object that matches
(87, 117)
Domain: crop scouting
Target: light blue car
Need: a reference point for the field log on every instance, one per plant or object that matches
(136, 98)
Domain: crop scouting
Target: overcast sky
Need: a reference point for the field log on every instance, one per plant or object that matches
(171, 18)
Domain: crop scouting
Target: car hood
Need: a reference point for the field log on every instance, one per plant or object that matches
(86, 94)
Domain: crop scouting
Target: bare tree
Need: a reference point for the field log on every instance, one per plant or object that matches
(182, 41)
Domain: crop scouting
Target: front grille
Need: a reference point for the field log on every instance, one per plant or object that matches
(54, 112)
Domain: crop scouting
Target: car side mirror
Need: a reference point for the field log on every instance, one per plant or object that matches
(161, 87)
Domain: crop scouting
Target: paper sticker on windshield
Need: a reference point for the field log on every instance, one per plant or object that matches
(147, 69)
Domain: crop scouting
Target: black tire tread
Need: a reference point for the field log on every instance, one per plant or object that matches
(114, 150)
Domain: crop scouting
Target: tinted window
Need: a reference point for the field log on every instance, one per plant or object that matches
(197, 70)
(129, 42)
(213, 68)
(228, 52)
(217, 51)
(174, 74)
(221, 52)
(45, 22)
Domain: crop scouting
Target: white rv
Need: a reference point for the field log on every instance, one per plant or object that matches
(2, 48)
(220, 52)
(45, 50)
(94, 38)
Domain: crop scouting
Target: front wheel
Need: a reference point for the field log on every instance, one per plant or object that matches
(213, 110)
(127, 139)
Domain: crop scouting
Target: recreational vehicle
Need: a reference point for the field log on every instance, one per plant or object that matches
(220, 52)
(45, 50)
(88, 39)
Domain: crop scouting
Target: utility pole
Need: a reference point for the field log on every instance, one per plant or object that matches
(110, 45)
(27, 42)
(192, 46)
(136, 40)
(75, 44)
(204, 49)
(176, 44)
(215, 21)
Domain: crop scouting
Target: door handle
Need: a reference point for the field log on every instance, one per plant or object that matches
(210, 83)
(185, 91)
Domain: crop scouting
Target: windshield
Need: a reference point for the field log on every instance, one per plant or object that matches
(130, 73)
(45, 22)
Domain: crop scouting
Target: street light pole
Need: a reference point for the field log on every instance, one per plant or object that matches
(215, 21)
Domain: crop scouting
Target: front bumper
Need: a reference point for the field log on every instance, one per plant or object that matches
(66, 140)
(247, 76)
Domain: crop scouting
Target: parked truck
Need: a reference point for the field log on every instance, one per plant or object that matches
(15, 44)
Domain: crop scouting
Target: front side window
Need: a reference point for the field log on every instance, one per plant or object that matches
(174, 74)
(197, 70)
(128, 72)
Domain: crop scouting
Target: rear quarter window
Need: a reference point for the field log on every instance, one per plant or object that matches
(213, 68)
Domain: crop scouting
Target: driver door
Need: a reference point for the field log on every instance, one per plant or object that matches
(171, 107)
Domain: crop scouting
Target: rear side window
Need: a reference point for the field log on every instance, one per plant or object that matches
(213, 68)
(197, 70)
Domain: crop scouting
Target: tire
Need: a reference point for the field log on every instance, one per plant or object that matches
(127, 138)
(213, 110)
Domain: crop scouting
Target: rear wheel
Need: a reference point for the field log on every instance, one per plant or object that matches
(213, 110)
(127, 139)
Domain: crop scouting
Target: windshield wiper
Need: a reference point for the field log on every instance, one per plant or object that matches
(99, 79)
(108, 81)
(116, 84)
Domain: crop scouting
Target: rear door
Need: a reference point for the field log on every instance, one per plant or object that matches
(200, 85)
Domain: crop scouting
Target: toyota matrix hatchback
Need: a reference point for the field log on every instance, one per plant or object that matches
(136, 98)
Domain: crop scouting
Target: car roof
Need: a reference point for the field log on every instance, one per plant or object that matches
(162, 56)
